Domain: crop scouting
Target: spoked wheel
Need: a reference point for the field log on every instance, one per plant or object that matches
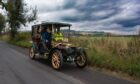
(32, 53)
(81, 60)
(57, 60)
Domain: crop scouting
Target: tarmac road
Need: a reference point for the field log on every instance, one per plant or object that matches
(17, 68)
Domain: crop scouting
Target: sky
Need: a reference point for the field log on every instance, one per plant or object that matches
(116, 16)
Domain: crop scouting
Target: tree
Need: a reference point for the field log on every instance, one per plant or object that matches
(2, 4)
(17, 14)
(2, 23)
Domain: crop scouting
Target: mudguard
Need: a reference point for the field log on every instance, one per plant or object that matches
(80, 50)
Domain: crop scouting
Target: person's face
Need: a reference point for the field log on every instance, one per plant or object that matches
(48, 30)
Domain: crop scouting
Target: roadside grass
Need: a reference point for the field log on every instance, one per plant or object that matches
(22, 43)
(4, 38)
(114, 53)
(22, 39)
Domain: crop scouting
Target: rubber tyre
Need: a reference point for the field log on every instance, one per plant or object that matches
(31, 53)
(56, 60)
(83, 58)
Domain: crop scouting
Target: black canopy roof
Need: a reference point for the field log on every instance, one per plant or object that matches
(55, 24)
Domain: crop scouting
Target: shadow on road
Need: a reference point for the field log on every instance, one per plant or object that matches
(66, 66)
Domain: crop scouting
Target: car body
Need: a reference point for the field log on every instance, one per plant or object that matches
(61, 51)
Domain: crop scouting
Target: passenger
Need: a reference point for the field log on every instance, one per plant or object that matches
(58, 36)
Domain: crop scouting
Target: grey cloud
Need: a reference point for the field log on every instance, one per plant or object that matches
(109, 15)
(90, 7)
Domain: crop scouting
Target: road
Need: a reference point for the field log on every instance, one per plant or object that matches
(17, 68)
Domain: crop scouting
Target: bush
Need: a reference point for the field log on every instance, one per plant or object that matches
(23, 36)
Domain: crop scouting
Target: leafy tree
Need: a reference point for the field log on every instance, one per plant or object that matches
(18, 14)
(2, 4)
(2, 23)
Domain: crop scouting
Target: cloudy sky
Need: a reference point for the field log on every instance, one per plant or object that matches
(117, 16)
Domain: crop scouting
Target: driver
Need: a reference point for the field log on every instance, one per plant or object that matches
(46, 37)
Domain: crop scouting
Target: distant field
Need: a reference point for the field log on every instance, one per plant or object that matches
(114, 53)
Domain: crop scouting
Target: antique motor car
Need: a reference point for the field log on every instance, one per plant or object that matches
(61, 50)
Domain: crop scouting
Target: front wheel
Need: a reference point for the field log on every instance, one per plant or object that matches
(32, 53)
(81, 60)
(56, 60)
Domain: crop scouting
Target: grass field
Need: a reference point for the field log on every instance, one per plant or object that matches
(114, 53)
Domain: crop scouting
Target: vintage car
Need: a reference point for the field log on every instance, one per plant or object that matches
(61, 51)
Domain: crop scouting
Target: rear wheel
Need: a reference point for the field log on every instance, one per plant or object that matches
(32, 53)
(57, 60)
(81, 60)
